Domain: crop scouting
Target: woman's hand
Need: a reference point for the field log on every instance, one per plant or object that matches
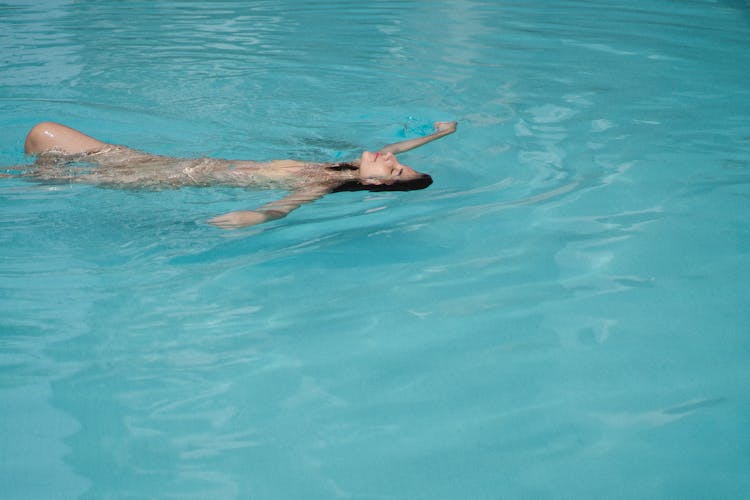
(238, 219)
(445, 127)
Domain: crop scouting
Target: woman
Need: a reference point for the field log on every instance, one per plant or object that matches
(66, 154)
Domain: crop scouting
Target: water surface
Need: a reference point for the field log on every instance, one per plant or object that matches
(562, 314)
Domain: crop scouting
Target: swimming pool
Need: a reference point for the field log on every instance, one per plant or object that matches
(562, 314)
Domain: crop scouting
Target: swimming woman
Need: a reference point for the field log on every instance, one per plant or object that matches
(65, 154)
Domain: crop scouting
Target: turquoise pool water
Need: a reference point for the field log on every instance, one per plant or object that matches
(562, 314)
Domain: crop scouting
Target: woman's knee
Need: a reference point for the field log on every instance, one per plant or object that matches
(39, 137)
(48, 136)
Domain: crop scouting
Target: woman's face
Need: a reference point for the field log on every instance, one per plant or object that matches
(384, 168)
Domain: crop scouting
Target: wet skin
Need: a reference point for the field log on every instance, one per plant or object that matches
(118, 166)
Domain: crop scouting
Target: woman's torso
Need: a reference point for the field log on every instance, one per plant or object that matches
(122, 167)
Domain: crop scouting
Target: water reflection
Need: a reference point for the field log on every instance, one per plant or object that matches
(40, 48)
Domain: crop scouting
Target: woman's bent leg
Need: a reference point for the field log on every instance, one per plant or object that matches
(50, 136)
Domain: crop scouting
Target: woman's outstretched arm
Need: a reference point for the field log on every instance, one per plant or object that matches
(270, 211)
(441, 130)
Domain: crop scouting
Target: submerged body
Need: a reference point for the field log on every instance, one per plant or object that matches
(124, 168)
(66, 155)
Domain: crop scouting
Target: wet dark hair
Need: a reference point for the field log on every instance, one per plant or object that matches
(420, 182)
